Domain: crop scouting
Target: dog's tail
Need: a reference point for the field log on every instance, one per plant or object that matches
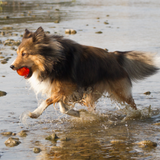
(138, 65)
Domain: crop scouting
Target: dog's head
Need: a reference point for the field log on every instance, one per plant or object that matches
(30, 52)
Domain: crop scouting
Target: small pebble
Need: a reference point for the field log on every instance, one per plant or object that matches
(2, 33)
(157, 124)
(2, 93)
(6, 17)
(22, 133)
(147, 93)
(117, 141)
(70, 31)
(7, 28)
(52, 137)
(7, 133)
(11, 142)
(36, 150)
(65, 139)
(106, 22)
(99, 32)
(56, 21)
(147, 143)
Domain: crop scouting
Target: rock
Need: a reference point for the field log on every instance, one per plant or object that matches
(22, 133)
(147, 143)
(11, 142)
(117, 141)
(65, 139)
(36, 150)
(7, 133)
(6, 17)
(52, 137)
(157, 124)
(70, 31)
(2, 93)
(2, 33)
(47, 32)
(147, 93)
(99, 32)
(2, 57)
(106, 22)
(17, 43)
(56, 21)
(7, 28)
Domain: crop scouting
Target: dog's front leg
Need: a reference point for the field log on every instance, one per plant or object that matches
(67, 110)
(38, 111)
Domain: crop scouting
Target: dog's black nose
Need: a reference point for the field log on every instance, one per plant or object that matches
(12, 66)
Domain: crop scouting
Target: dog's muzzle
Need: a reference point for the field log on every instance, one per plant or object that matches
(12, 67)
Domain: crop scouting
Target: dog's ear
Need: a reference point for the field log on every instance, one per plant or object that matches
(39, 35)
(27, 34)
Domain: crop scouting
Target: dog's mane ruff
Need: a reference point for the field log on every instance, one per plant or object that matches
(43, 87)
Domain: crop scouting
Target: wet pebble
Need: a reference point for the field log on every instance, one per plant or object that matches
(147, 143)
(70, 31)
(11, 142)
(22, 133)
(56, 21)
(106, 22)
(65, 139)
(2, 57)
(147, 93)
(117, 141)
(7, 28)
(7, 133)
(4, 61)
(157, 124)
(47, 32)
(11, 42)
(2, 33)
(2, 93)
(6, 17)
(99, 32)
(36, 150)
(52, 137)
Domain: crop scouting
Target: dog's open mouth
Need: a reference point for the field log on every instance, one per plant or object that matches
(25, 71)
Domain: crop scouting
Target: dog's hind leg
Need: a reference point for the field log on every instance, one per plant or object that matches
(67, 110)
(122, 92)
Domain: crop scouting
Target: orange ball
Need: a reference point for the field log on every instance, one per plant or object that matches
(24, 71)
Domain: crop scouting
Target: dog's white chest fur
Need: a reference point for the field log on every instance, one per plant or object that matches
(43, 87)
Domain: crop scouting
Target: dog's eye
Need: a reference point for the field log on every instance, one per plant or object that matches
(23, 54)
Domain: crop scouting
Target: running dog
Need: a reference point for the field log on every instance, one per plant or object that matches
(69, 73)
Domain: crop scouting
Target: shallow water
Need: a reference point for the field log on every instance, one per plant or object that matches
(132, 26)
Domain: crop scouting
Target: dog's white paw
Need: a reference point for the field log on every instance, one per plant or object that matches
(33, 115)
(73, 112)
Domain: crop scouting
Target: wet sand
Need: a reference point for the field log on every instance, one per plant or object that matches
(115, 25)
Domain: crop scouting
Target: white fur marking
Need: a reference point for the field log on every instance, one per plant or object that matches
(44, 87)
(38, 111)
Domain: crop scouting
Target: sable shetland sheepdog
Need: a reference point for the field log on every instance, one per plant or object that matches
(69, 73)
